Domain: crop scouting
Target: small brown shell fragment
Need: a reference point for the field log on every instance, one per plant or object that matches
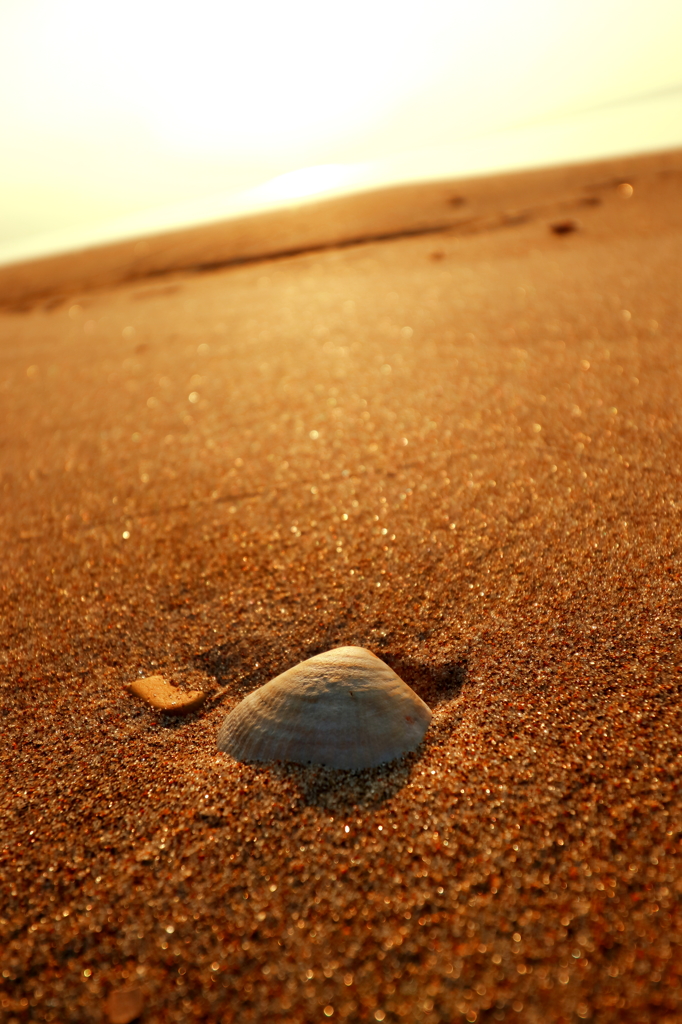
(345, 709)
(155, 691)
(124, 1005)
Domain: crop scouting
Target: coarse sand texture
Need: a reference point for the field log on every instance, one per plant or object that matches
(460, 450)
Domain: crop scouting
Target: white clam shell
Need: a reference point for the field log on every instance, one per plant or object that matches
(345, 709)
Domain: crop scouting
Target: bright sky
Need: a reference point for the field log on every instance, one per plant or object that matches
(108, 110)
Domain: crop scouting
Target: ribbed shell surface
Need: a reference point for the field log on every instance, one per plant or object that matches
(345, 709)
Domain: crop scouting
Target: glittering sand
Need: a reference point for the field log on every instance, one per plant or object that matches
(461, 451)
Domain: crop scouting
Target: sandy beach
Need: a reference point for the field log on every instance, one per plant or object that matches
(461, 450)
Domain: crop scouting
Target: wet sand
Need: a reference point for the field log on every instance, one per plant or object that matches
(461, 451)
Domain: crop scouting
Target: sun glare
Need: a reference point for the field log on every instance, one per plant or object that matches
(309, 181)
(107, 111)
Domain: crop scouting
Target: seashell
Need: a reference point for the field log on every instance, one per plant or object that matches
(160, 695)
(345, 708)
